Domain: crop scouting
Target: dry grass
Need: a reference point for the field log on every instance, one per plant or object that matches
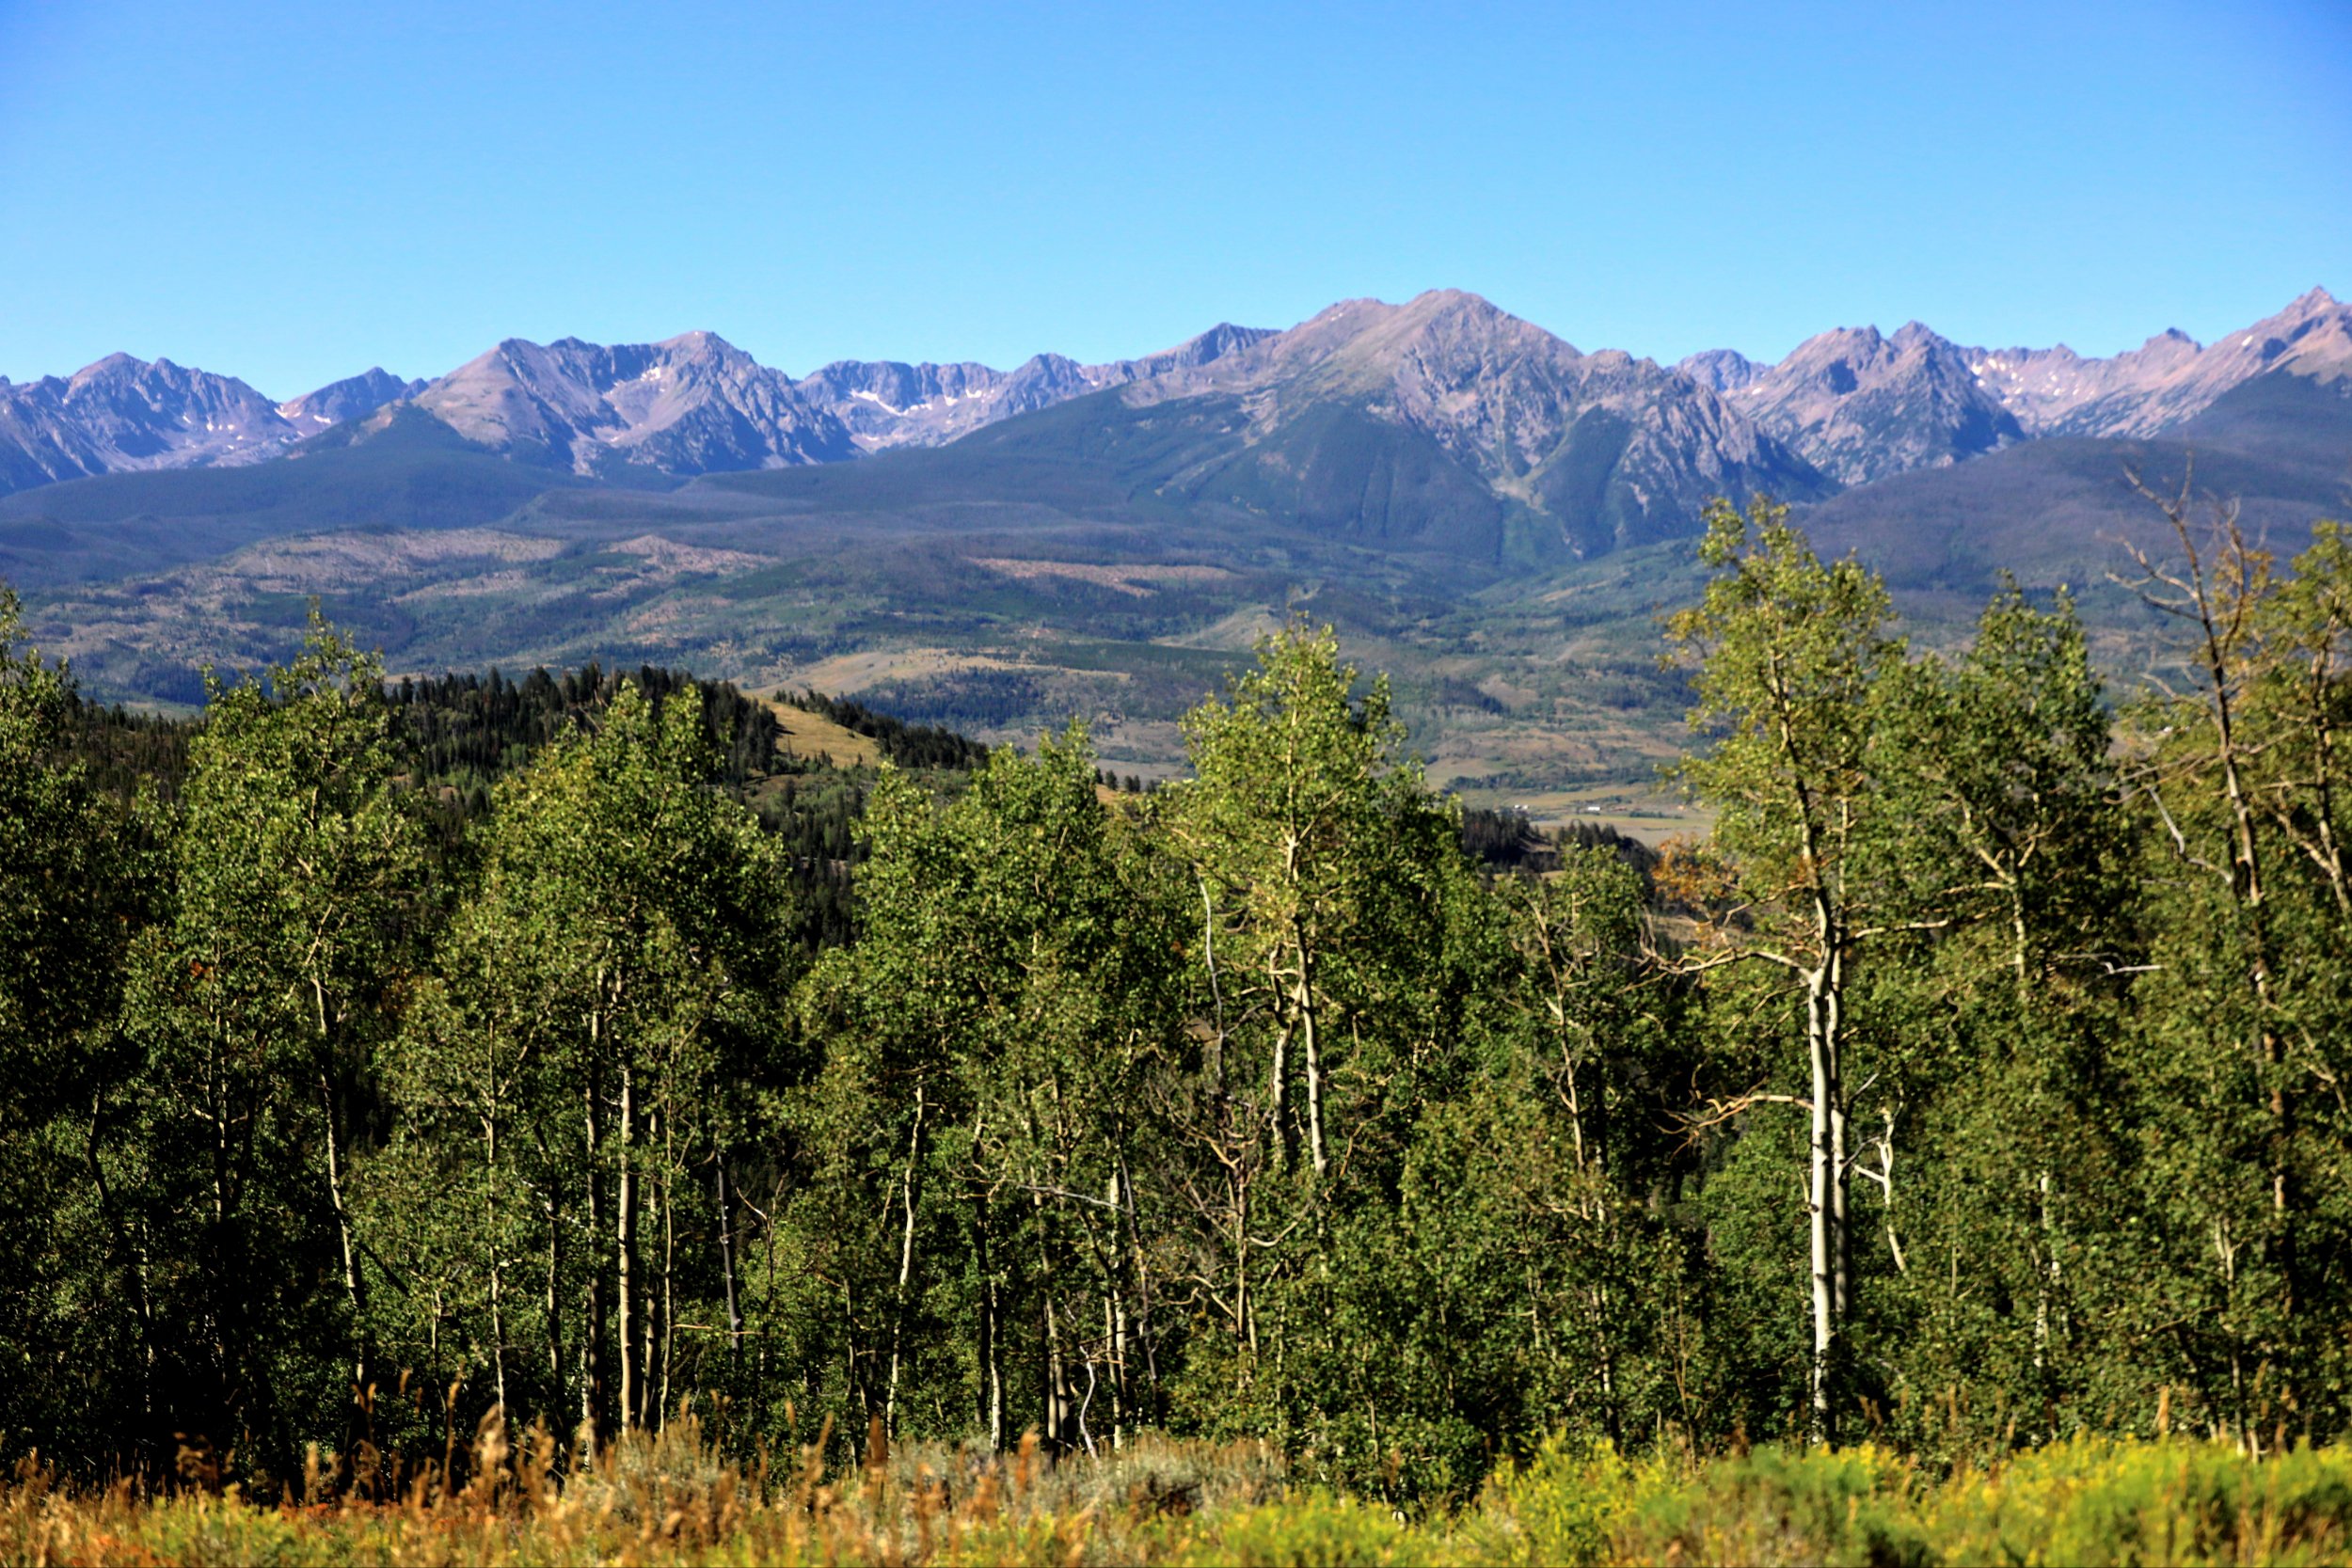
(813, 735)
(663, 1498)
(669, 1498)
(1136, 580)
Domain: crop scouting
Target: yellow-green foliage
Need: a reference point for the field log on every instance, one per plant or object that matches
(2097, 1501)
(668, 1500)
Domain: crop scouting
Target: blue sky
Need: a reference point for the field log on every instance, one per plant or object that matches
(290, 194)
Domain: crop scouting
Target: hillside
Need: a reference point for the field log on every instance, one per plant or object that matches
(118, 526)
(2063, 509)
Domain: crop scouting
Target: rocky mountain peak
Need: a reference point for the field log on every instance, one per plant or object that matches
(123, 413)
(354, 396)
(1860, 405)
(2169, 378)
(1721, 370)
(1454, 391)
(888, 404)
(115, 368)
(1496, 394)
(694, 403)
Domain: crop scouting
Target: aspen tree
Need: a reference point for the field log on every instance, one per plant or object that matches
(1791, 655)
(628, 924)
(76, 881)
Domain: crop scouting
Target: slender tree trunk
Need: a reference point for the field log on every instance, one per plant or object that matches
(1306, 1005)
(1278, 1099)
(490, 1232)
(909, 1191)
(592, 1393)
(727, 1265)
(668, 1336)
(353, 1288)
(2247, 886)
(555, 1303)
(1826, 1198)
(1141, 1268)
(1054, 1384)
(1115, 1322)
(992, 1392)
(1245, 1303)
(626, 1283)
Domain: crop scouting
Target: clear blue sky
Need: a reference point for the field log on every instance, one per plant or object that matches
(292, 192)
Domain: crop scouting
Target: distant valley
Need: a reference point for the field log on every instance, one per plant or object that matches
(1482, 508)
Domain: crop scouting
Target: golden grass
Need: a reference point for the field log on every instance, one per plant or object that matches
(813, 735)
(668, 1498)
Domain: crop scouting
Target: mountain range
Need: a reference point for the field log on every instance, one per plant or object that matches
(1486, 509)
(1522, 409)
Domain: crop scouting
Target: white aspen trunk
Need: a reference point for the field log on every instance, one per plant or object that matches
(1115, 1323)
(1306, 1003)
(624, 1250)
(1821, 1207)
(592, 1364)
(555, 1318)
(1244, 1308)
(669, 1278)
(342, 1234)
(2247, 887)
(1056, 1389)
(490, 1226)
(1142, 1277)
(352, 1290)
(991, 1330)
(2046, 1288)
(1217, 993)
(906, 1268)
(726, 1264)
(1278, 1095)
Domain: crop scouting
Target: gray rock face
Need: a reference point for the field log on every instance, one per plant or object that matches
(1861, 406)
(2167, 379)
(352, 398)
(1537, 423)
(691, 405)
(885, 403)
(1722, 370)
(123, 414)
(1615, 449)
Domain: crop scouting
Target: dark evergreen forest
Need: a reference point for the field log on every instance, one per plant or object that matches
(376, 1056)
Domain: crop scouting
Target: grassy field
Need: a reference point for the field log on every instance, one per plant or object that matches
(669, 1500)
(814, 737)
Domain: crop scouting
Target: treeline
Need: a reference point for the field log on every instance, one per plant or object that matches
(908, 744)
(454, 736)
(466, 731)
(1977, 1083)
